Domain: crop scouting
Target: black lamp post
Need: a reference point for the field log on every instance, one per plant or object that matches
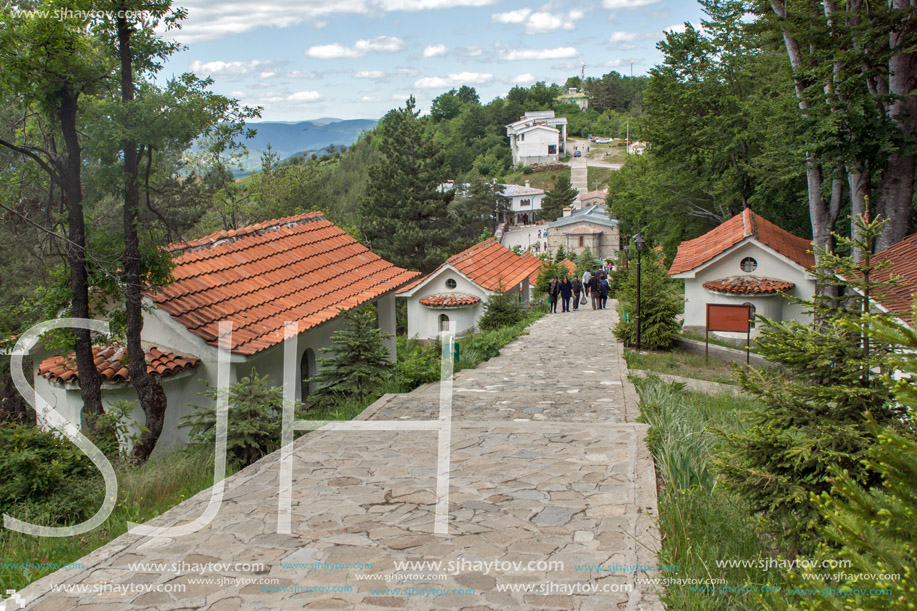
(638, 244)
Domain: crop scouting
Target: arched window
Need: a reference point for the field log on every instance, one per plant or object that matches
(451, 283)
(306, 371)
(752, 310)
(443, 322)
(748, 264)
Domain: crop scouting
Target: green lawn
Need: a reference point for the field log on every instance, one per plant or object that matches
(681, 363)
(539, 180)
(717, 341)
(597, 178)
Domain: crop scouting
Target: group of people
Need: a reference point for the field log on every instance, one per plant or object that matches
(594, 285)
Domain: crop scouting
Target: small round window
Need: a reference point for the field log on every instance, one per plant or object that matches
(451, 283)
(749, 265)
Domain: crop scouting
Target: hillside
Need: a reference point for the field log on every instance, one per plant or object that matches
(288, 139)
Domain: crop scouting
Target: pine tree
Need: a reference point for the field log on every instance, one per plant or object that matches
(359, 363)
(811, 419)
(660, 304)
(404, 216)
(586, 261)
(561, 196)
(560, 255)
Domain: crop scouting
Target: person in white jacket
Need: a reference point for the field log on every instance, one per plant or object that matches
(587, 276)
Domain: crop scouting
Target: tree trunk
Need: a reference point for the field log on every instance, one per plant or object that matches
(858, 180)
(148, 385)
(71, 182)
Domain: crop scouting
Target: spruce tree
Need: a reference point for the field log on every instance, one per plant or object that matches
(404, 214)
(358, 365)
(811, 416)
(561, 196)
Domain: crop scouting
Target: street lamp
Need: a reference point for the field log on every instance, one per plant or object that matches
(638, 244)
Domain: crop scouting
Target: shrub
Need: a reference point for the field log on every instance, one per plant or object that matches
(416, 364)
(660, 305)
(359, 362)
(255, 408)
(501, 310)
(45, 478)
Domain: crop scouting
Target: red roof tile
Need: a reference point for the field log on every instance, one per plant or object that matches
(111, 361)
(449, 300)
(903, 258)
(696, 252)
(748, 285)
(488, 264)
(301, 268)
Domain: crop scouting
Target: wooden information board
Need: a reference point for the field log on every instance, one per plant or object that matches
(731, 318)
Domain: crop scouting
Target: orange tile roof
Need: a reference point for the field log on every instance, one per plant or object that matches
(301, 268)
(535, 264)
(748, 285)
(449, 300)
(696, 252)
(111, 361)
(570, 265)
(488, 264)
(903, 258)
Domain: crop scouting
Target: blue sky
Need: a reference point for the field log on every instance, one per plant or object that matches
(305, 59)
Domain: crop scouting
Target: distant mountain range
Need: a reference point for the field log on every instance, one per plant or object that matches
(288, 139)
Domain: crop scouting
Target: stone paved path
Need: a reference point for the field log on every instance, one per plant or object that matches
(547, 466)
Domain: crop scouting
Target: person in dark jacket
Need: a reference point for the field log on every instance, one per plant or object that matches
(553, 292)
(594, 286)
(577, 291)
(566, 292)
(606, 287)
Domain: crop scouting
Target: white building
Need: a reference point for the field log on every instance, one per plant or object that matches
(302, 269)
(538, 137)
(746, 260)
(523, 203)
(457, 290)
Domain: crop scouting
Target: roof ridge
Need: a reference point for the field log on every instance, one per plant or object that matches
(234, 234)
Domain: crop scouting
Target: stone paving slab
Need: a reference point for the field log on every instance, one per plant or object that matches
(522, 490)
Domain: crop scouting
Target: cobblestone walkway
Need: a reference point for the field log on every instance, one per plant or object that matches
(549, 473)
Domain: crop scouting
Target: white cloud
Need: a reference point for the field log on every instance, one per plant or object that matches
(534, 54)
(379, 44)
(268, 74)
(540, 22)
(298, 97)
(407, 72)
(213, 19)
(678, 28)
(305, 75)
(373, 74)
(524, 79)
(453, 80)
(512, 16)
(565, 66)
(435, 50)
(618, 37)
(473, 51)
(614, 5)
(220, 68)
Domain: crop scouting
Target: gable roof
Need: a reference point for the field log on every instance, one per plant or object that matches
(903, 258)
(597, 214)
(488, 264)
(694, 253)
(301, 268)
(517, 190)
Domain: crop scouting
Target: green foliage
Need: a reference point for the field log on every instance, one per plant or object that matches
(255, 409)
(560, 255)
(561, 196)
(359, 362)
(44, 478)
(586, 261)
(660, 304)
(403, 214)
(111, 431)
(501, 310)
(417, 364)
(811, 416)
(549, 270)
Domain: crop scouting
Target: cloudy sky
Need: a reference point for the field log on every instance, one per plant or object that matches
(305, 59)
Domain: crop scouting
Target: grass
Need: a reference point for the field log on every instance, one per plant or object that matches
(538, 180)
(681, 363)
(718, 341)
(700, 523)
(144, 492)
(597, 178)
